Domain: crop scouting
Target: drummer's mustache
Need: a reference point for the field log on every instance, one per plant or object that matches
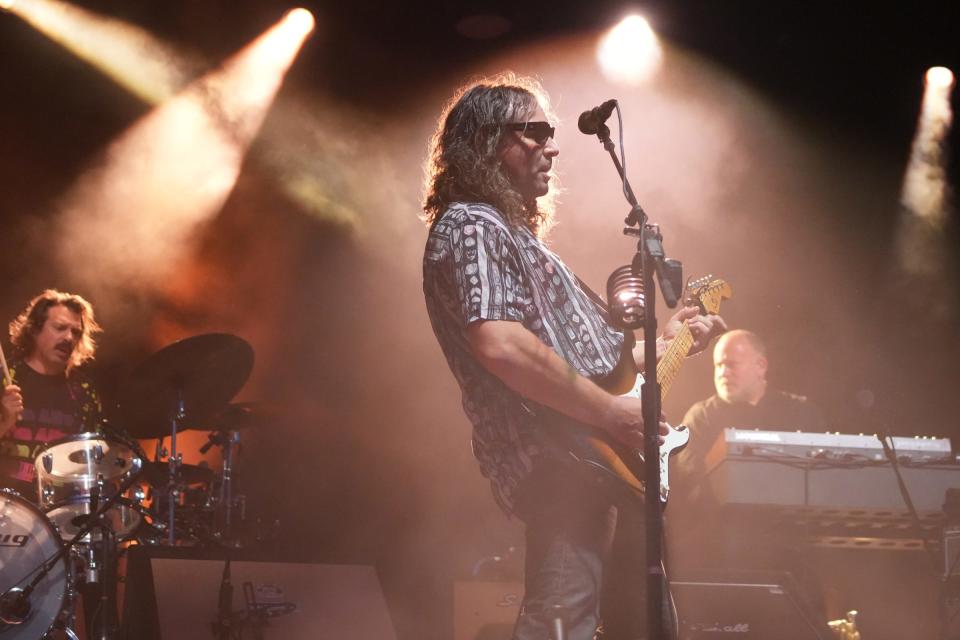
(65, 345)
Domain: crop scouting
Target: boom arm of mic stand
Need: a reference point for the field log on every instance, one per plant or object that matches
(637, 214)
(638, 217)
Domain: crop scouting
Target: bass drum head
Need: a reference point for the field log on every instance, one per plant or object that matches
(27, 539)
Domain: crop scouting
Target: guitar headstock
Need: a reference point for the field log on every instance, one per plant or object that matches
(707, 293)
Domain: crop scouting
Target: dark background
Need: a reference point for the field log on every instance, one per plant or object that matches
(366, 455)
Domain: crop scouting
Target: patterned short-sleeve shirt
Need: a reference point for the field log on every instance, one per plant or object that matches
(477, 267)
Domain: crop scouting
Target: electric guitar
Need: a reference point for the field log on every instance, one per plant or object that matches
(597, 450)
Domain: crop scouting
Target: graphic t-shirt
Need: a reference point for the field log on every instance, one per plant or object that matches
(54, 407)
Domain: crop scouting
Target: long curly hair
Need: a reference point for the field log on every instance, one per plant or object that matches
(463, 166)
(24, 329)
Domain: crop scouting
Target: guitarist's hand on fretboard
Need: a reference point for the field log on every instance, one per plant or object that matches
(703, 328)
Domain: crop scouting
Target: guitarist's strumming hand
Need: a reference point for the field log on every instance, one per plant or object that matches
(624, 422)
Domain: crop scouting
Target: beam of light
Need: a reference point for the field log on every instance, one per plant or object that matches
(630, 52)
(141, 63)
(921, 243)
(130, 221)
(925, 184)
(310, 164)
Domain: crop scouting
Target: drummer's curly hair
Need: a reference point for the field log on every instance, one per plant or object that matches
(24, 329)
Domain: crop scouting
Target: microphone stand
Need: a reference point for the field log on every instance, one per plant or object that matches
(223, 627)
(22, 596)
(650, 255)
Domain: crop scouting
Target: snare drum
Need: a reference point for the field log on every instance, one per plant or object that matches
(70, 471)
(27, 539)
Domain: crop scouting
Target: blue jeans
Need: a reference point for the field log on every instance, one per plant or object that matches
(584, 559)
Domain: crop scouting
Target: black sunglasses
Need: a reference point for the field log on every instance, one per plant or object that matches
(539, 132)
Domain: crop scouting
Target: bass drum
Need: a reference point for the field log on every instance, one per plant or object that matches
(27, 539)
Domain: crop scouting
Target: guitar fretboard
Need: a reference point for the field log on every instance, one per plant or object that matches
(672, 360)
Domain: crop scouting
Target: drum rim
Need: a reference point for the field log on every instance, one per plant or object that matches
(88, 436)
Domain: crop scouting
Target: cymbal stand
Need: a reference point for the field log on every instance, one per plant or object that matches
(173, 463)
(225, 439)
(103, 571)
(226, 486)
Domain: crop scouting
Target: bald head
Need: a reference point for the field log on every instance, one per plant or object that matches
(740, 367)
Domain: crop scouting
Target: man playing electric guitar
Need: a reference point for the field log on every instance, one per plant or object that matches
(523, 340)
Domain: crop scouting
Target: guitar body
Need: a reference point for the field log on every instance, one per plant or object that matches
(601, 453)
(625, 465)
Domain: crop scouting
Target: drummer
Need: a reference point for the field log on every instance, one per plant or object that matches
(48, 397)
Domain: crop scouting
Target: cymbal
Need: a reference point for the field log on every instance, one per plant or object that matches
(157, 473)
(205, 371)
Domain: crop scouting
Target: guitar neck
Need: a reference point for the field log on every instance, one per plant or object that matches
(671, 361)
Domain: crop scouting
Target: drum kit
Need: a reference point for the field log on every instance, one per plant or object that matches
(100, 493)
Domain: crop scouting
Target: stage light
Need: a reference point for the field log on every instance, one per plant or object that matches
(921, 241)
(7, 5)
(301, 20)
(630, 52)
(925, 184)
(939, 77)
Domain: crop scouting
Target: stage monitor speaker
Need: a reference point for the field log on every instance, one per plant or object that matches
(485, 609)
(748, 605)
(176, 598)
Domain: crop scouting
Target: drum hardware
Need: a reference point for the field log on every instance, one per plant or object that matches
(184, 383)
(225, 439)
(204, 371)
(76, 472)
(174, 461)
(102, 571)
(94, 520)
(223, 626)
(28, 609)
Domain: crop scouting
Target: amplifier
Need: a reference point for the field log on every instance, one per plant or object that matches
(172, 594)
(748, 605)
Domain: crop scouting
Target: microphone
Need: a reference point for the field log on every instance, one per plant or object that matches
(625, 296)
(14, 606)
(591, 121)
